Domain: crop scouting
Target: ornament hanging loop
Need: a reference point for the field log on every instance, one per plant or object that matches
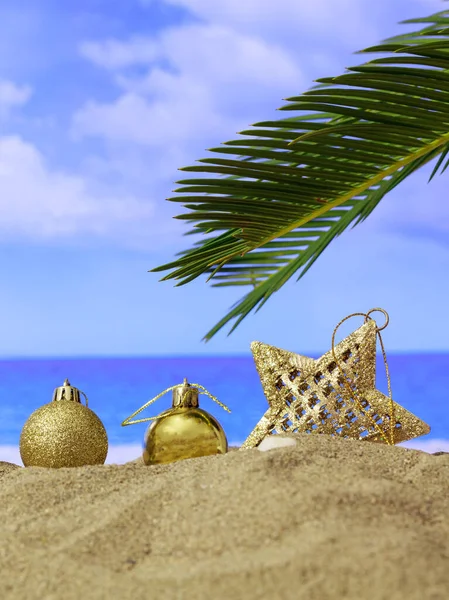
(384, 312)
(188, 387)
(349, 384)
(206, 393)
(146, 405)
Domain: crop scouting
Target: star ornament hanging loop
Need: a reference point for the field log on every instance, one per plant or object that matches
(335, 394)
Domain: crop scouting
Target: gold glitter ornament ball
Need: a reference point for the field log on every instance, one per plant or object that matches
(63, 433)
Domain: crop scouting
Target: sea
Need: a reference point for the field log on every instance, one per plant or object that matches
(116, 387)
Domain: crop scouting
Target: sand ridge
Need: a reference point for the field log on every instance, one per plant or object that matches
(324, 519)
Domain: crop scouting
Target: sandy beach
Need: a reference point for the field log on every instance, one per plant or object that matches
(324, 519)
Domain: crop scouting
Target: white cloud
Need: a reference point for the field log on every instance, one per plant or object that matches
(345, 20)
(240, 59)
(430, 446)
(202, 82)
(118, 454)
(180, 117)
(214, 69)
(12, 95)
(39, 203)
(114, 54)
(122, 453)
(211, 51)
(437, 5)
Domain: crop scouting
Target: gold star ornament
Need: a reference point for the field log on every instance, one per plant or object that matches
(335, 394)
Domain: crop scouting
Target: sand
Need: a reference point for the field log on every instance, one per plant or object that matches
(323, 519)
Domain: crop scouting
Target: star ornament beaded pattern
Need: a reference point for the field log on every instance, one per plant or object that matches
(335, 394)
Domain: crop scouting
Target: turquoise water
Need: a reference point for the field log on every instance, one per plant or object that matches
(116, 387)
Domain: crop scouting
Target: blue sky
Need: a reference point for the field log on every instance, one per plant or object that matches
(101, 102)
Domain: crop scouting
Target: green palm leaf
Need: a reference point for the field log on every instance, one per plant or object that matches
(273, 200)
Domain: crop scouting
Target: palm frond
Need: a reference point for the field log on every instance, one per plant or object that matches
(274, 200)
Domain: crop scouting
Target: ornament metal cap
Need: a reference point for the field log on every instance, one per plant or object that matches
(68, 392)
(185, 396)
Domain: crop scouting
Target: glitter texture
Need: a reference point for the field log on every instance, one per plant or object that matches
(310, 396)
(63, 434)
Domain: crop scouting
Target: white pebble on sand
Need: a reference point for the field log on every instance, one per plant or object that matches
(275, 441)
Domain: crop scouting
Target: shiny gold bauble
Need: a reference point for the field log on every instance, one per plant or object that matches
(183, 432)
(63, 433)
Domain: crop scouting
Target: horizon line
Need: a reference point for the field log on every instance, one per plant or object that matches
(318, 354)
